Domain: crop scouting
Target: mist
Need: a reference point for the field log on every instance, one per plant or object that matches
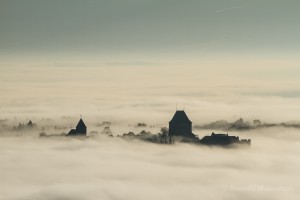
(208, 90)
(112, 168)
(99, 167)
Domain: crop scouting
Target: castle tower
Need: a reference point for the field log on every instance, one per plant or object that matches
(180, 125)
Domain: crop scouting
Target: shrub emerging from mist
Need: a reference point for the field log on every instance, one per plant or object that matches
(27, 126)
(145, 135)
(141, 125)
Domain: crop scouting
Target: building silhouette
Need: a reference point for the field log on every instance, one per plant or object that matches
(223, 139)
(180, 125)
(80, 129)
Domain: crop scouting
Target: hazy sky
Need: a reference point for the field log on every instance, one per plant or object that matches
(143, 29)
(219, 58)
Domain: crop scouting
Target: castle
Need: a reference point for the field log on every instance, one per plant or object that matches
(181, 126)
(223, 139)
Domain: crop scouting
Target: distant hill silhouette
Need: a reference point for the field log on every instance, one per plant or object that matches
(241, 125)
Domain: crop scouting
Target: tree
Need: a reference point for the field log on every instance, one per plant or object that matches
(164, 131)
(164, 135)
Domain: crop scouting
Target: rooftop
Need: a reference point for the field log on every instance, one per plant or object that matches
(180, 117)
(81, 123)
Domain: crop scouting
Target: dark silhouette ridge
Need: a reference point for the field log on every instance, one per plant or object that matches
(243, 125)
(80, 129)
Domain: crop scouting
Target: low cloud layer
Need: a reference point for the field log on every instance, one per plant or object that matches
(229, 89)
(112, 168)
(60, 168)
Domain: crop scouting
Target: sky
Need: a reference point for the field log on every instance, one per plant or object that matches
(144, 29)
(214, 58)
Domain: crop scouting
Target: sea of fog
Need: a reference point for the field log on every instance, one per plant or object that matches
(110, 168)
(104, 168)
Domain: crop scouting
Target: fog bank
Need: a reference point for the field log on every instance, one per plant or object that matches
(112, 168)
